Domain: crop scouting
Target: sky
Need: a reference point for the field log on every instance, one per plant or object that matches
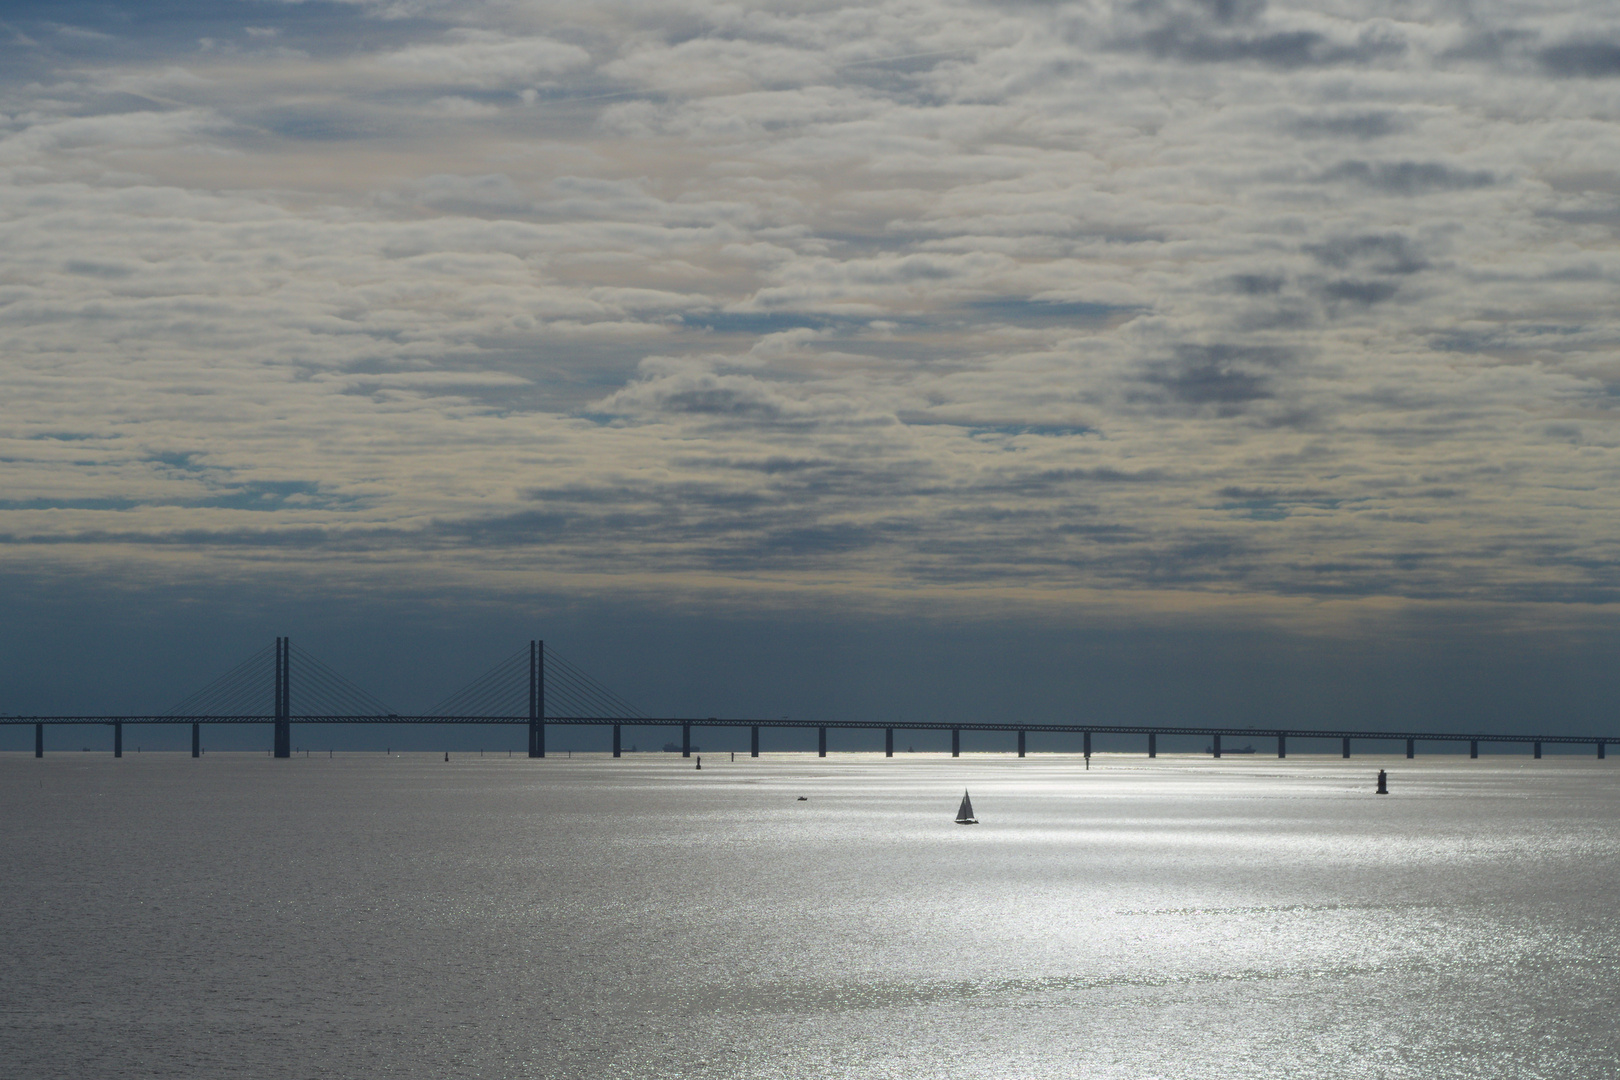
(1125, 361)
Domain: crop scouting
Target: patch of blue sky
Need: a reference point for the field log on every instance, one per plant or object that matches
(313, 124)
(1275, 509)
(70, 504)
(261, 495)
(600, 419)
(125, 29)
(1016, 309)
(277, 495)
(1014, 430)
(185, 460)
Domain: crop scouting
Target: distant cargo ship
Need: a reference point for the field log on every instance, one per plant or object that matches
(675, 748)
(1230, 750)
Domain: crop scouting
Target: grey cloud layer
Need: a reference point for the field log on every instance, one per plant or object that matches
(1216, 295)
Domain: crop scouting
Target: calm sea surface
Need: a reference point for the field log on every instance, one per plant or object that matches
(491, 917)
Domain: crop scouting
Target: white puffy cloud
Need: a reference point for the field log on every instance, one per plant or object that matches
(485, 58)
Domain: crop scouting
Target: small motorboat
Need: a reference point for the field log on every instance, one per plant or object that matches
(964, 813)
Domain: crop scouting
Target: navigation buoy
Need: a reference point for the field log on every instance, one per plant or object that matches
(1383, 782)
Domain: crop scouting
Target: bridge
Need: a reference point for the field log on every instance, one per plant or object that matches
(529, 689)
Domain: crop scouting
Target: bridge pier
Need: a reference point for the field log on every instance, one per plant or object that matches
(1473, 748)
(1020, 744)
(1085, 745)
(686, 740)
(1600, 751)
(616, 740)
(1153, 744)
(196, 740)
(1411, 747)
(1217, 746)
(888, 742)
(821, 742)
(1282, 744)
(39, 742)
(1538, 749)
(118, 740)
(1346, 747)
(753, 741)
(956, 742)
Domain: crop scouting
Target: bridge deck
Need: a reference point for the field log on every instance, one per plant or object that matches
(1359, 734)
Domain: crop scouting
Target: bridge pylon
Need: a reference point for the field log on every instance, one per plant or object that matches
(283, 713)
(537, 699)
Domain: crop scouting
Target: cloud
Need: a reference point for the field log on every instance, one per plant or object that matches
(486, 58)
(1408, 177)
(1248, 33)
(1242, 300)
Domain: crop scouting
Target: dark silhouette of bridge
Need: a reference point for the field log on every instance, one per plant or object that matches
(535, 688)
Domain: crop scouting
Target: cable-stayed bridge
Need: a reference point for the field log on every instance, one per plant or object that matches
(534, 687)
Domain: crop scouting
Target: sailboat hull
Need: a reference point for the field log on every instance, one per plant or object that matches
(969, 821)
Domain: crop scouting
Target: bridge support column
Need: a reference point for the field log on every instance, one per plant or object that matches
(821, 742)
(753, 741)
(1282, 744)
(196, 740)
(616, 740)
(537, 699)
(118, 740)
(956, 742)
(282, 739)
(1411, 748)
(1085, 745)
(1347, 748)
(686, 740)
(1153, 744)
(39, 742)
(888, 742)
(1473, 748)
(1020, 744)
(1217, 746)
(1600, 751)
(1538, 749)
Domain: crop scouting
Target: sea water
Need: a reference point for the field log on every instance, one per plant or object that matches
(403, 916)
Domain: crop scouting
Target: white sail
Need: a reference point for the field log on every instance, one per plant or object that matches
(965, 811)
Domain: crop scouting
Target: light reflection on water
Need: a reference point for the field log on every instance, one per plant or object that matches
(372, 916)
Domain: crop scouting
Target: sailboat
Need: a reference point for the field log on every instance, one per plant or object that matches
(964, 813)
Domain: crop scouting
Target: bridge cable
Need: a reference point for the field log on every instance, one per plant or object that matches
(578, 688)
(503, 690)
(334, 695)
(234, 691)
